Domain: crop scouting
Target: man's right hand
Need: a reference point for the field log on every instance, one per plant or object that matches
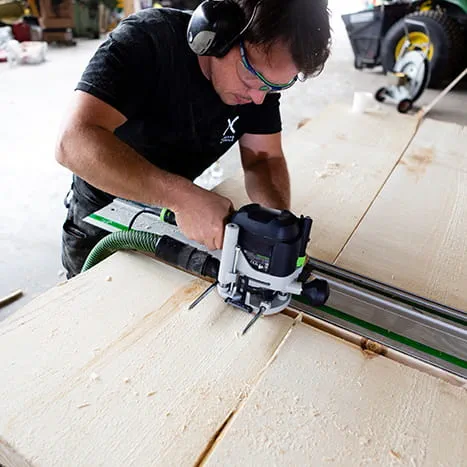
(202, 217)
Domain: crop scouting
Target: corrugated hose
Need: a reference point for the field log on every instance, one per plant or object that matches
(128, 240)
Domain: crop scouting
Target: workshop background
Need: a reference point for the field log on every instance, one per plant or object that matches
(41, 60)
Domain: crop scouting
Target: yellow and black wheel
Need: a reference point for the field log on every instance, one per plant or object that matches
(445, 52)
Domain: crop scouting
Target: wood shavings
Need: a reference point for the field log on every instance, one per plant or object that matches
(82, 406)
(331, 168)
(394, 454)
(150, 394)
(364, 441)
(126, 380)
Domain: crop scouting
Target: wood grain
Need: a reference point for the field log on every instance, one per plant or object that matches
(414, 235)
(111, 368)
(337, 163)
(323, 401)
(120, 372)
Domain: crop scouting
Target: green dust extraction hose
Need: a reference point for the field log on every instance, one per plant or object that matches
(166, 248)
(128, 240)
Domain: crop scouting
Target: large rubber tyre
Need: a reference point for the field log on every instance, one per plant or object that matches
(447, 40)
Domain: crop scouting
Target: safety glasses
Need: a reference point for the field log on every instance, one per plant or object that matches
(254, 76)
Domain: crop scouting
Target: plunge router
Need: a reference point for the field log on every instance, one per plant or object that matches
(261, 264)
(263, 259)
(396, 319)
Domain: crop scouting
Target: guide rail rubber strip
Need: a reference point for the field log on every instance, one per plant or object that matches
(421, 328)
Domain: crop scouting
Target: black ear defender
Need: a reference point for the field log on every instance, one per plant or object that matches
(215, 26)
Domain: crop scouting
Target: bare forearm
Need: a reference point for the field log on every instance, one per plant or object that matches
(267, 183)
(107, 163)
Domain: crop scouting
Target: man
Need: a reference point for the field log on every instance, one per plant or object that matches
(149, 114)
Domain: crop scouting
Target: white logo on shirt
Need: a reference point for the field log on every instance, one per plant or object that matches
(230, 128)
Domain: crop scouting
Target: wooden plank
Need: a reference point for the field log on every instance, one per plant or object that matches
(113, 369)
(323, 401)
(337, 162)
(414, 236)
(120, 372)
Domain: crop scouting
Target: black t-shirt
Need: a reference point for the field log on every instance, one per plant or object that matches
(175, 119)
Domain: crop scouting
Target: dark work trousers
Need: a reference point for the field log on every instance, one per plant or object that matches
(78, 237)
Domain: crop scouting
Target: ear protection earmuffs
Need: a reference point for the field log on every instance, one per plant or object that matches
(215, 26)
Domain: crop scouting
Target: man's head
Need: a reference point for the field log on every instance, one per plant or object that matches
(286, 38)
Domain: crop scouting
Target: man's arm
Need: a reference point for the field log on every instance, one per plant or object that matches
(266, 175)
(88, 147)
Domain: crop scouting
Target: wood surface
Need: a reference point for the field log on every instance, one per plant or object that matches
(324, 401)
(111, 368)
(337, 162)
(120, 372)
(415, 234)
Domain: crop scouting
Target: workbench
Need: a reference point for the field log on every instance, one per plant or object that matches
(112, 368)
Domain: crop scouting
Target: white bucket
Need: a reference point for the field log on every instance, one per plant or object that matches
(364, 102)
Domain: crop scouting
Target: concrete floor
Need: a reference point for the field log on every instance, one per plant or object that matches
(33, 100)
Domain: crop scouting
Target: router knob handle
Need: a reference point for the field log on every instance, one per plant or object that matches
(316, 291)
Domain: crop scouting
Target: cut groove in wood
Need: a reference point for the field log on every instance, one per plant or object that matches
(213, 440)
(194, 361)
(321, 400)
(217, 438)
(387, 352)
(376, 194)
(413, 236)
(337, 163)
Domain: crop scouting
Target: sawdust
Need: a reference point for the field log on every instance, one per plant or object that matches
(330, 169)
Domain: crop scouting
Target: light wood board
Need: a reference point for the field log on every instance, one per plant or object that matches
(113, 369)
(323, 401)
(120, 372)
(415, 234)
(337, 163)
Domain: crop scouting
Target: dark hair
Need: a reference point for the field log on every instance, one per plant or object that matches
(302, 24)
